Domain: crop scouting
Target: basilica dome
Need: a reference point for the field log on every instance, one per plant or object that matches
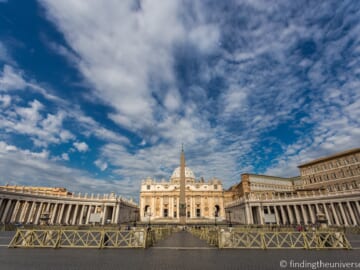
(188, 173)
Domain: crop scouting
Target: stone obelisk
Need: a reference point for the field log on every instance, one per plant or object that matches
(182, 202)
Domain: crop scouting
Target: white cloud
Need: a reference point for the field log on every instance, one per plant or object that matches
(11, 79)
(5, 100)
(101, 164)
(172, 100)
(4, 147)
(81, 146)
(129, 55)
(65, 156)
(42, 128)
(234, 101)
(206, 37)
(38, 170)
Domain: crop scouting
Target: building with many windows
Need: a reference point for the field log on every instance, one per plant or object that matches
(328, 186)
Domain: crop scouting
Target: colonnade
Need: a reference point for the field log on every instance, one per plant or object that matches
(338, 213)
(33, 210)
(338, 209)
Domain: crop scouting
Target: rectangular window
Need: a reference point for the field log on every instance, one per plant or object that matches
(148, 187)
(175, 214)
(188, 214)
(166, 212)
(198, 213)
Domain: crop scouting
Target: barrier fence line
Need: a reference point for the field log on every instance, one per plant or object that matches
(50, 238)
(256, 239)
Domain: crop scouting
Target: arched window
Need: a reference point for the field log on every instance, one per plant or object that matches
(217, 210)
(146, 210)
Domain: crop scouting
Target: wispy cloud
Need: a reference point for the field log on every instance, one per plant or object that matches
(11, 79)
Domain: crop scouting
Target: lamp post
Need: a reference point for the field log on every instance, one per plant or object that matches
(215, 216)
(136, 215)
(149, 215)
(229, 213)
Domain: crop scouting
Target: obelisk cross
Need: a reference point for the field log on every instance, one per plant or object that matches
(182, 203)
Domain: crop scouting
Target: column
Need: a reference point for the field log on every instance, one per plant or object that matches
(290, 214)
(312, 215)
(171, 207)
(162, 207)
(88, 215)
(6, 212)
(152, 209)
(249, 219)
(327, 214)
(31, 217)
(38, 213)
(357, 205)
(304, 213)
(69, 206)
(343, 214)
(48, 208)
(116, 220)
(81, 214)
(75, 214)
(15, 212)
(355, 211)
(297, 214)
(104, 215)
(60, 217)
(335, 214)
(53, 216)
(23, 212)
(113, 215)
(261, 212)
(277, 215)
(351, 213)
(283, 215)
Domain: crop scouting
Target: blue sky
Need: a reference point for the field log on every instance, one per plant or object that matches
(96, 97)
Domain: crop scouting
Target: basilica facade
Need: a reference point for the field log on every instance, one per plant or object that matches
(160, 201)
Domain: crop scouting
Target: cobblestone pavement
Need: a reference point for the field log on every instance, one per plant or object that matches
(164, 256)
(183, 240)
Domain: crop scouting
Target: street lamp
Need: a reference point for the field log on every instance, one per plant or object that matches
(229, 213)
(149, 215)
(136, 215)
(215, 216)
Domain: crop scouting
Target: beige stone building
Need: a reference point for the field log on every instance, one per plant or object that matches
(160, 200)
(328, 186)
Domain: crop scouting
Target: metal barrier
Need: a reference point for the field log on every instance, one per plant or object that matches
(162, 233)
(94, 238)
(209, 234)
(79, 239)
(283, 240)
